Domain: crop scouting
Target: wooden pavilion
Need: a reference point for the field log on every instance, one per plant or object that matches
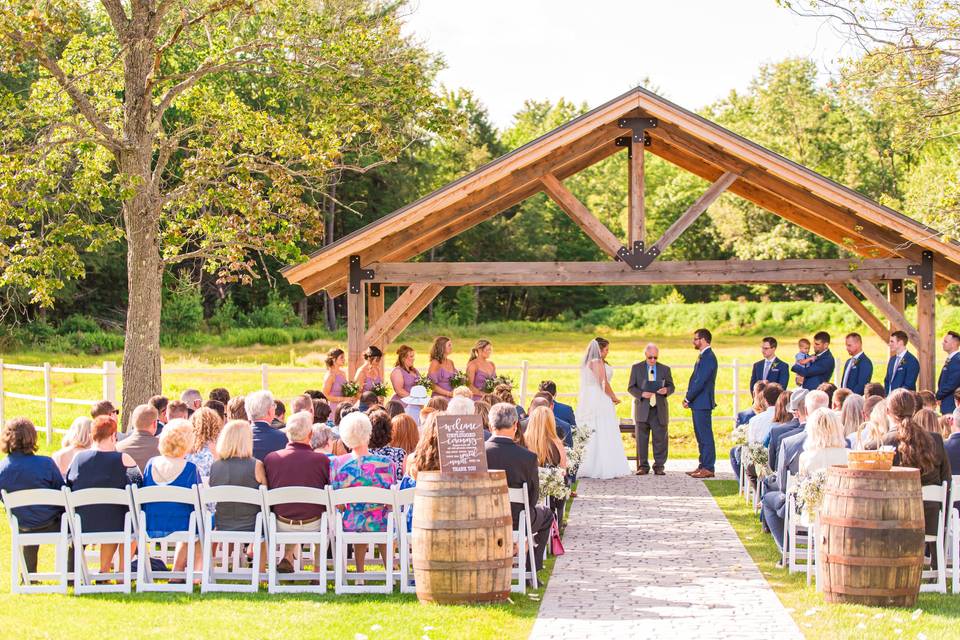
(889, 247)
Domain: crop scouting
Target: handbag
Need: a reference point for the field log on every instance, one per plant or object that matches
(556, 544)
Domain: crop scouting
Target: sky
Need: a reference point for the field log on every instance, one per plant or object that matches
(692, 52)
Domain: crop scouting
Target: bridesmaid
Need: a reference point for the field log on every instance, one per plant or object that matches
(480, 368)
(370, 372)
(441, 367)
(333, 383)
(404, 376)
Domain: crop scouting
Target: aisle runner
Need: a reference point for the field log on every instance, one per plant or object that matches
(654, 557)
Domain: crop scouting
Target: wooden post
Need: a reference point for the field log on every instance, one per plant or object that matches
(48, 401)
(636, 227)
(523, 382)
(927, 349)
(110, 381)
(896, 298)
(375, 309)
(356, 327)
(264, 373)
(736, 389)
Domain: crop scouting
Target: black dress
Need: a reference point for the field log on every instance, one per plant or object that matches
(94, 469)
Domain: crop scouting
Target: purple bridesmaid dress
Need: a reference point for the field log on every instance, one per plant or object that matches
(479, 379)
(336, 390)
(409, 380)
(441, 380)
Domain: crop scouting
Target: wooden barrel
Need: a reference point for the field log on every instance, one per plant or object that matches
(462, 537)
(871, 536)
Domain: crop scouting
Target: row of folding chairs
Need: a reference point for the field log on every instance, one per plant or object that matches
(225, 565)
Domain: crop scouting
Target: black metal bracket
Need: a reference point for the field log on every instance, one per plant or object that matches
(924, 270)
(358, 275)
(896, 286)
(374, 289)
(627, 141)
(638, 125)
(637, 258)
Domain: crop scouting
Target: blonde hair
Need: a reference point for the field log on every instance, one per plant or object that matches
(541, 431)
(426, 457)
(206, 427)
(824, 431)
(78, 435)
(462, 392)
(477, 348)
(235, 440)
(945, 423)
(176, 439)
(927, 418)
(851, 412)
(875, 427)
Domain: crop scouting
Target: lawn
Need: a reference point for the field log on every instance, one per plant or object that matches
(935, 615)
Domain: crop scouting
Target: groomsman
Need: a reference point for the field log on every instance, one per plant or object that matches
(771, 368)
(949, 379)
(858, 369)
(818, 368)
(902, 367)
(700, 400)
(650, 414)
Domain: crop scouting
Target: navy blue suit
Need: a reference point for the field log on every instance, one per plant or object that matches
(700, 399)
(905, 377)
(779, 372)
(947, 383)
(817, 372)
(564, 412)
(858, 372)
(266, 439)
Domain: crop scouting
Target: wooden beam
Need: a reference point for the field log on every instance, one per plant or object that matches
(402, 312)
(897, 298)
(877, 299)
(617, 273)
(636, 224)
(356, 323)
(375, 310)
(696, 209)
(858, 308)
(927, 345)
(579, 213)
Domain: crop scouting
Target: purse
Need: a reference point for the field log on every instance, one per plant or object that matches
(556, 544)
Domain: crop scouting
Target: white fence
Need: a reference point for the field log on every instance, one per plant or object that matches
(110, 374)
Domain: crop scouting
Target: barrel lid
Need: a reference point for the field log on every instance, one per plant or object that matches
(843, 470)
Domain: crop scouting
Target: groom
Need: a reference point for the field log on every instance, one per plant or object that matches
(700, 401)
(650, 412)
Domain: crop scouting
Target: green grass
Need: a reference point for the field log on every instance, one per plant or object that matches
(939, 617)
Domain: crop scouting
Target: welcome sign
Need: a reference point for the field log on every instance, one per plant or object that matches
(460, 439)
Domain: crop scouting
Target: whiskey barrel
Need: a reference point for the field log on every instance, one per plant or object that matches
(462, 537)
(871, 536)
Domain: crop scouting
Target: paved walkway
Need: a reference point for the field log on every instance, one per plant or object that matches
(654, 557)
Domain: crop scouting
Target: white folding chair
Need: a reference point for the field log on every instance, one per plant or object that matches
(742, 483)
(342, 578)
(935, 580)
(526, 569)
(954, 532)
(213, 577)
(278, 540)
(147, 545)
(796, 536)
(812, 562)
(21, 580)
(85, 579)
(402, 506)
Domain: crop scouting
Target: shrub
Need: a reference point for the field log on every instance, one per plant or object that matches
(95, 342)
(78, 323)
(225, 316)
(466, 306)
(276, 313)
(270, 336)
(37, 332)
(182, 307)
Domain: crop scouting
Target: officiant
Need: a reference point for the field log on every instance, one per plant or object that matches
(650, 385)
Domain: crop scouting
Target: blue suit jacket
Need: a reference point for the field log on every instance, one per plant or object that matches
(779, 373)
(817, 372)
(859, 375)
(564, 412)
(952, 446)
(947, 383)
(266, 439)
(777, 434)
(700, 389)
(905, 377)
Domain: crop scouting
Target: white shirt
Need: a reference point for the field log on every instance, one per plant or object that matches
(759, 425)
(950, 355)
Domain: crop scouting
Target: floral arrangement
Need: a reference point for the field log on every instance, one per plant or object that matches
(759, 456)
(808, 492)
(739, 435)
(425, 382)
(380, 389)
(553, 483)
(350, 390)
(458, 379)
(581, 435)
(493, 383)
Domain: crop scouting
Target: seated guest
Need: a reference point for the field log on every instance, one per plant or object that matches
(143, 443)
(758, 428)
(425, 457)
(22, 469)
(780, 431)
(828, 388)
(360, 468)
(460, 406)
(952, 444)
(564, 428)
(825, 445)
(542, 439)
(236, 466)
(521, 467)
(505, 394)
(206, 429)
(297, 465)
(405, 433)
(490, 399)
(929, 421)
(219, 394)
(103, 467)
(381, 433)
(175, 410)
(279, 414)
(841, 394)
(463, 392)
(341, 410)
(369, 400)
(214, 405)
(873, 389)
(303, 402)
(160, 404)
(259, 406)
(321, 412)
(851, 413)
(315, 394)
(322, 439)
(193, 400)
(757, 405)
(946, 428)
(858, 369)
(237, 409)
(396, 408)
(172, 469)
(928, 399)
(874, 428)
(76, 439)
(103, 408)
(482, 409)
(560, 410)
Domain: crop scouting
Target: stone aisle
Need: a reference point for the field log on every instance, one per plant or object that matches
(654, 557)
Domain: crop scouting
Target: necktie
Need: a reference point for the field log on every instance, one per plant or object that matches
(652, 378)
(846, 374)
(766, 369)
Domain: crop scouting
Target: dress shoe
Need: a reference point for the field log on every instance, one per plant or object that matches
(284, 566)
(694, 472)
(642, 472)
(659, 472)
(703, 473)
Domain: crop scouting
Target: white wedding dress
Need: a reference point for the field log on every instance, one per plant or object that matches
(604, 457)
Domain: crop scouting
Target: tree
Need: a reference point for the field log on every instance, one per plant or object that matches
(195, 129)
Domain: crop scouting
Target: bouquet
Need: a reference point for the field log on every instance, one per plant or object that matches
(808, 492)
(458, 379)
(425, 382)
(553, 483)
(493, 383)
(581, 435)
(381, 390)
(350, 390)
(759, 456)
(739, 435)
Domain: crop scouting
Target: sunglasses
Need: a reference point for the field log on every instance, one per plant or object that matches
(651, 357)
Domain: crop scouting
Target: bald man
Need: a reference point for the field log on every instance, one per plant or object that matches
(650, 412)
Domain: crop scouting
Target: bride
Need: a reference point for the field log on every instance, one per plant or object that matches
(604, 456)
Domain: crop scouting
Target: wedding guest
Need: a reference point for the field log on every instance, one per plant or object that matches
(236, 466)
(874, 429)
(490, 399)
(370, 373)
(946, 426)
(237, 408)
(279, 414)
(873, 389)
(851, 413)
(321, 411)
(381, 433)
(315, 394)
(929, 421)
(302, 402)
(770, 368)
(482, 409)
(480, 368)
(219, 394)
(462, 391)
(759, 426)
(542, 439)
(952, 445)
(193, 400)
(903, 368)
(460, 406)
(418, 406)
(564, 428)
(103, 408)
(858, 369)
(216, 405)
(928, 400)
(441, 368)
(828, 388)
(143, 443)
(368, 401)
(259, 406)
(756, 406)
(824, 446)
(817, 368)
(77, 438)
(335, 379)
(405, 434)
(789, 428)
(838, 397)
(560, 410)
(322, 439)
(404, 376)
(207, 425)
(425, 457)
(22, 469)
(177, 409)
